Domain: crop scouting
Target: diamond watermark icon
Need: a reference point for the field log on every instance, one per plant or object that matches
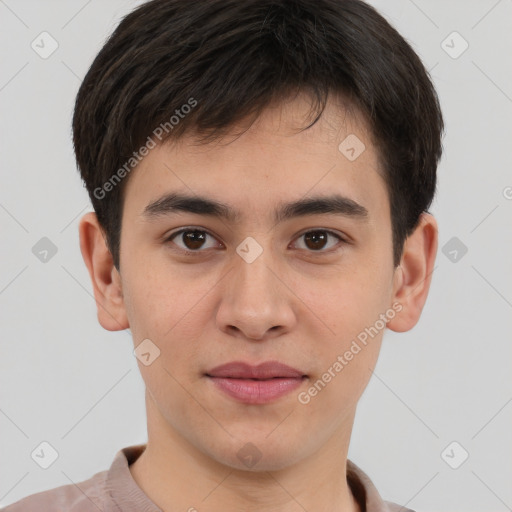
(249, 249)
(249, 455)
(352, 147)
(455, 455)
(44, 45)
(44, 250)
(454, 45)
(44, 455)
(146, 352)
(454, 249)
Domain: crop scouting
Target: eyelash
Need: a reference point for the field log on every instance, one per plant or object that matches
(199, 251)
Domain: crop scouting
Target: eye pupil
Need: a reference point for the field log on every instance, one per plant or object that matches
(317, 238)
(193, 239)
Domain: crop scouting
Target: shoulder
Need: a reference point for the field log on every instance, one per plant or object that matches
(80, 497)
(366, 494)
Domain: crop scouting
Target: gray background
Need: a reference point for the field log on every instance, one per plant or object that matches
(65, 380)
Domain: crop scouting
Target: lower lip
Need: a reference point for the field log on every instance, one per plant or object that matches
(257, 391)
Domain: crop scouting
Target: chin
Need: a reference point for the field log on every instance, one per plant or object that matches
(256, 454)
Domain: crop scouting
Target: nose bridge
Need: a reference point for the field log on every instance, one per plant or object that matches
(253, 272)
(254, 301)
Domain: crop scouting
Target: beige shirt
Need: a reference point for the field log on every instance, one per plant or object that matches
(115, 490)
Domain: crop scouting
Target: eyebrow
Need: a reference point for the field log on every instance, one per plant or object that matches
(179, 202)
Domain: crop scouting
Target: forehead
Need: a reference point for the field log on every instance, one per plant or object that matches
(291, 122)
(272, 157)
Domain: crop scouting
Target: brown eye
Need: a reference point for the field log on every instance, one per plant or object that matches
(193, 239)
(196, 240)
(318, 239)
(190, 239)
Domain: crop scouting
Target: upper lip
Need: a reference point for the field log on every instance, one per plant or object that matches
(266, 370)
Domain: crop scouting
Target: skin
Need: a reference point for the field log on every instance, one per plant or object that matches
(292, 304)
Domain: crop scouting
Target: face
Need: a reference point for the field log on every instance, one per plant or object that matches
(299, 286)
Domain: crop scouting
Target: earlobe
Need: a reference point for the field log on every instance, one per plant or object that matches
(414, 274)
(105, 278)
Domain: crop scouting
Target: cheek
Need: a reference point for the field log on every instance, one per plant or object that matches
(156, 296)
(348, 301)
(166, 308)
(350, 309)
(345, 360)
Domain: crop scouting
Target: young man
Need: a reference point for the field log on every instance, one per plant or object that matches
(260, 172)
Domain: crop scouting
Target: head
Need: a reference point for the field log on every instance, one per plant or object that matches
(311, 127)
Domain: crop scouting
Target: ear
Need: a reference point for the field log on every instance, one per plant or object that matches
(106, 280)
(414, 274)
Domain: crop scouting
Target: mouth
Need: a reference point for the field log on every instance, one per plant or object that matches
(259, 384)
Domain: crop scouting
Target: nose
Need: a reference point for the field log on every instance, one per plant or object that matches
(256, 302)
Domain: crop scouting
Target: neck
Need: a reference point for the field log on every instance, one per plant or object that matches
(177, 476)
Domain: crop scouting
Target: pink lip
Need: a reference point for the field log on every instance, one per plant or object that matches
(266, 370)
(259, 384)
